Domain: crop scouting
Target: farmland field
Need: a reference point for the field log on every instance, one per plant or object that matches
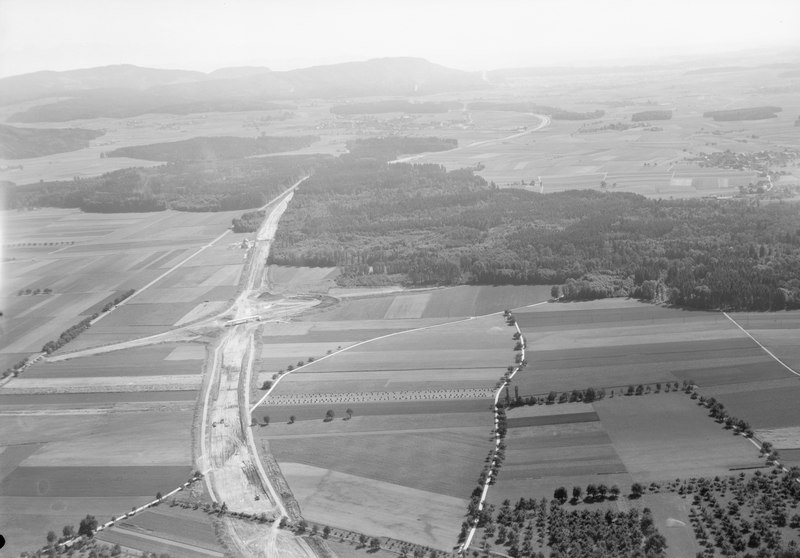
(84, 259)
(92, 481)
(408, 375)
(435, 447)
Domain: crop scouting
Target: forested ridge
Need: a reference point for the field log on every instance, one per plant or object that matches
(23, 143)
(395, 105)
(184, 186)
(213, 148)
(423, 225)
(524, 106)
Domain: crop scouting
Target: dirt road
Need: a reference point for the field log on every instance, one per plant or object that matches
(545, 121)
(228, 457)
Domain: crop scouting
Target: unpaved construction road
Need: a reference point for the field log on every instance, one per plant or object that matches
(228, 457)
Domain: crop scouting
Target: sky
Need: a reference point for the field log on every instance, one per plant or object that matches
(470, 35)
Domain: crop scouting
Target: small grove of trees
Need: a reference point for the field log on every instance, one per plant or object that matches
(87, 526)
(16, 368)
(68, 335)
(118, 299)
(248, 222)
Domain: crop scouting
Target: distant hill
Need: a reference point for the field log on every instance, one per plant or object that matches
(37, 85)
(716, 70)
(123, 91)
(23, 143)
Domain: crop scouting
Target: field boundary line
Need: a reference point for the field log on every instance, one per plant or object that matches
(757, 342)
(497, 438)
(279, 378)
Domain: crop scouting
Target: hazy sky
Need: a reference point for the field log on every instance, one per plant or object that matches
(471, 35)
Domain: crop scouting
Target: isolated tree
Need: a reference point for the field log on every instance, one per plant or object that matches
(87, 526)
(266, 385)
(555, 291)
(158, 496)
(329, 415)
(560, 494)
(615, 491)
(349, 413)
(375, 544)
(51, 537)
(636, 490)
(266, 420)
(326, 531)
(291, 419)
(576, 493)
(68, 531)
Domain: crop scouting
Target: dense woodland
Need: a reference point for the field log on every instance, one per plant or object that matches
(646, 115)
(423, 225)
(398, 105)
(213, 148)
(751, 113)
(554, 112)
(24, 143)
(199, 186)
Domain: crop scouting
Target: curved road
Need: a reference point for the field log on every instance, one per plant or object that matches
(545, 121)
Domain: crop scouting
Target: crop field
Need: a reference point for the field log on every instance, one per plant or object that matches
(776, 331)
(178, 531)
(613, 344)
(143, 361)
(140, 439)
(609, 442)
(143, 542)
(616, 344)
(422, 454)
(86, 259)
(61, 401)
(66, 482)
(449, 302)
(27, 520)
(379, 508)
(301, 279)
(441, 461)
